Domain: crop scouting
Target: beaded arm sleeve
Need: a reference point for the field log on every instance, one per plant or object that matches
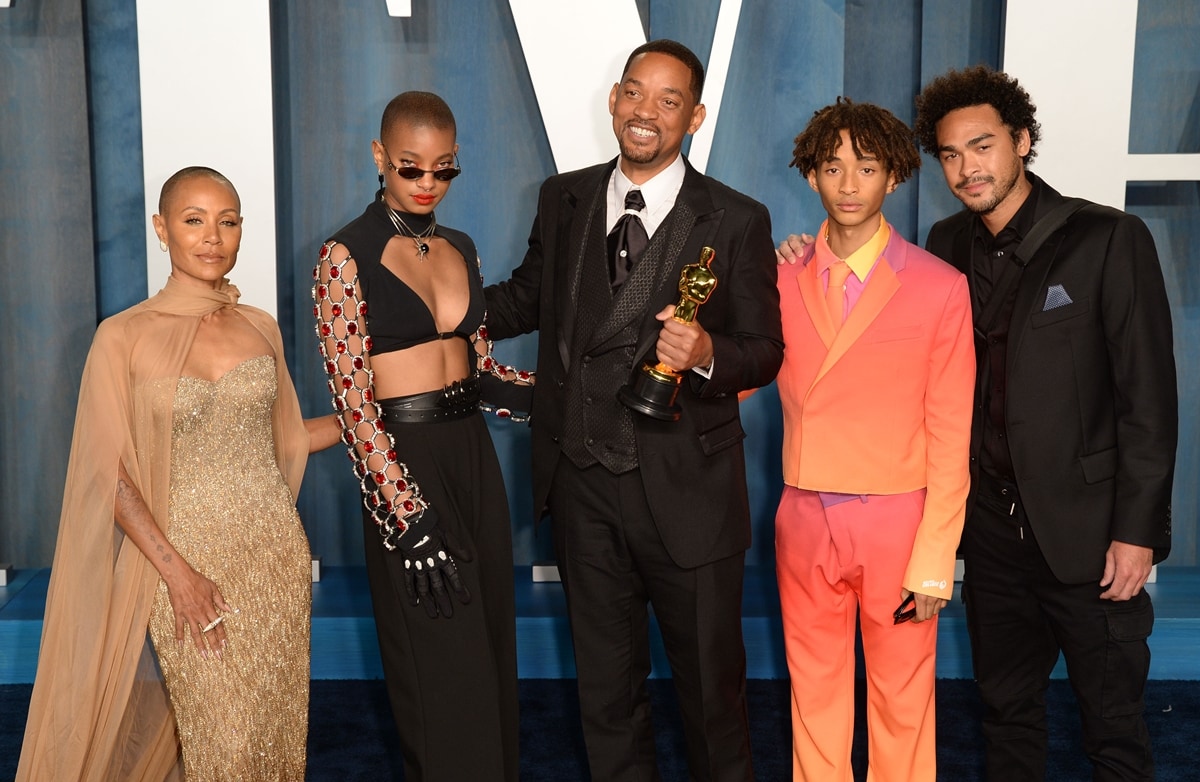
(507, 391)
(514, 403)
(390, 495)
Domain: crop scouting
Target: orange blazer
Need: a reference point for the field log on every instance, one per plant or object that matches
(883, 406)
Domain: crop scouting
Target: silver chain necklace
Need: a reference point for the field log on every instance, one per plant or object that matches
(419, 239)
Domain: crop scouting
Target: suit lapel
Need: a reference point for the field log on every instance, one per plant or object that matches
(584, 204)
(1033, 282)
(695, 225)
(882, 285)
(692, 223)
(1033, 279)
(961, 249)
(809, 281)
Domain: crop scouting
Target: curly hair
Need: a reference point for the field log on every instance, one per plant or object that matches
(871, 128)
(977, 86)
(418, 110)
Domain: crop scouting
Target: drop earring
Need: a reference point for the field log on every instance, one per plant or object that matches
(381, 185)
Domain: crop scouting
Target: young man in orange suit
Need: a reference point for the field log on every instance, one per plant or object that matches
(876, 386)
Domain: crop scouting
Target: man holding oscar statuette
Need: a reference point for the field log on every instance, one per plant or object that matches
(648, 511)
(655, 388)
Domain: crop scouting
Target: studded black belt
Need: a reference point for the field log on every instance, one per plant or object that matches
(459, 400)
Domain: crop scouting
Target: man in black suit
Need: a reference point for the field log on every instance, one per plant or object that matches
(648, 511)
(1073, 443)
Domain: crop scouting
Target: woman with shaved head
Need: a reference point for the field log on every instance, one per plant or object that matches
(179, 522)
(399, 305)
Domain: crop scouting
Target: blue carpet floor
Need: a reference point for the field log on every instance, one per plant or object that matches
(351, 736)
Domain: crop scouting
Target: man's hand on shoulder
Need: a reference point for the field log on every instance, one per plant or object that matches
(791, 248)
(1126, 568)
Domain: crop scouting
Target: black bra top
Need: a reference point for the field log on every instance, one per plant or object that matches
(397, 318)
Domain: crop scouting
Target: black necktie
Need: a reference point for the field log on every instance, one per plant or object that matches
(627, 241)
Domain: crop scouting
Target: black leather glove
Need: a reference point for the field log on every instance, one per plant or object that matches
(428, 566)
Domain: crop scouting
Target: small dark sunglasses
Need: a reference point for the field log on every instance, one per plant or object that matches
(414, 173)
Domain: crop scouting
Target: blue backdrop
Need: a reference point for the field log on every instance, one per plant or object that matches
(72, 207)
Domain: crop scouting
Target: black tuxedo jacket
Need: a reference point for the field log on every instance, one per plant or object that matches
(1091, 399)
(694, 468)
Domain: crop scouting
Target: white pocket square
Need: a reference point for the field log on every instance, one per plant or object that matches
(1056, 297)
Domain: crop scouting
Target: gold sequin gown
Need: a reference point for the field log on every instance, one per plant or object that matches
(244, 717)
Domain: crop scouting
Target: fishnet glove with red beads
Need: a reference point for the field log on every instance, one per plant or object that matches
(389, 493)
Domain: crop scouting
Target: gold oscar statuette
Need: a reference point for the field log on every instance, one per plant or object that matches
(653, 388)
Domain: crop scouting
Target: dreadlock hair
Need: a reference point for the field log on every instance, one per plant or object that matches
(417, 110)
(977, 86)
(871, 128)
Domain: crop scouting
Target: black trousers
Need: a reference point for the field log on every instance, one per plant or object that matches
(613, 565)
(452, 682)
(1020, 617)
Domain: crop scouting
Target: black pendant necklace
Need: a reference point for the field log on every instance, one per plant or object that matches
(419, 239)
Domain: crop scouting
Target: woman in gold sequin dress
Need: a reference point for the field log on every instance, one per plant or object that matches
(179, 519)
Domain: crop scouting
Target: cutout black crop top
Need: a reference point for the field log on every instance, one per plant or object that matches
(397, 318)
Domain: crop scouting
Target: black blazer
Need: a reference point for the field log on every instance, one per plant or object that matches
(694, 468)
(1091, 399)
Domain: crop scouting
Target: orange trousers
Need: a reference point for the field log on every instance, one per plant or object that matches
(836, 565)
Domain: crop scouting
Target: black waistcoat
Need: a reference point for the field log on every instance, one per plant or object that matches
(597, 427)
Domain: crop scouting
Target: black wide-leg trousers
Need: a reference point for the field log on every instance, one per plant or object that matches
(452, 682)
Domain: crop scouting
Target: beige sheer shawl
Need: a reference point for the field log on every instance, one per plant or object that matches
(99, 709)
